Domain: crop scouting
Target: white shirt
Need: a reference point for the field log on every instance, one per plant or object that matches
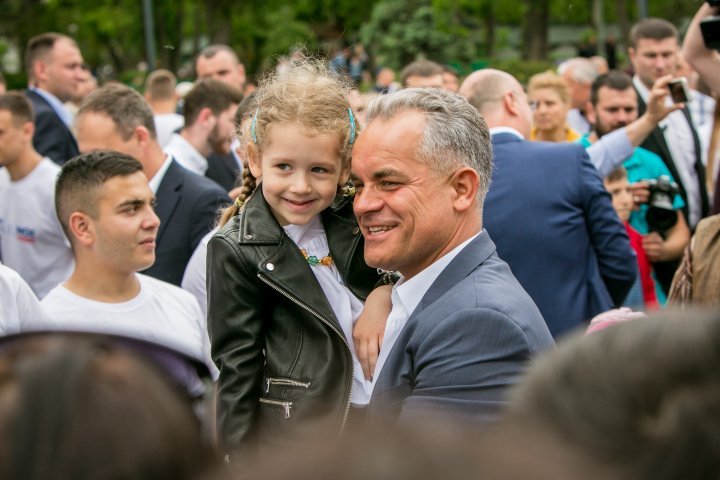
(155, 181)
(346, 306)
(606, 154)
(679, 138)
(578, 122)
(160, 313)
(65, 115)
(406, 296)
(19, 307)
(193, 280)
(186, 155)
(165, 125)
(32, 241)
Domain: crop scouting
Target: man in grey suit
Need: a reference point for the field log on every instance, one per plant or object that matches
(461, 329)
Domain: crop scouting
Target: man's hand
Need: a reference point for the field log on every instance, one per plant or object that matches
(369, 329)
(640, 193)
(654, 247)
(657, 107)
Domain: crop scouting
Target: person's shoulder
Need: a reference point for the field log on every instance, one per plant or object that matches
(10, 280)
(164, 290)
(201, 185)
(58, 297)
(648, 158)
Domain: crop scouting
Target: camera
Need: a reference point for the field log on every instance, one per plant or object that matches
(661, 216)
(710, 28)
(679, 90)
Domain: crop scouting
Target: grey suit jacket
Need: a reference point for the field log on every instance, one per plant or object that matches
(467, 341)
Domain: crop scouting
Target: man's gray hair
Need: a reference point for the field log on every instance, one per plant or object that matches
(455, 133)
(581, 70)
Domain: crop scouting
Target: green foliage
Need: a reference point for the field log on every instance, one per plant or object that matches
(521, 69)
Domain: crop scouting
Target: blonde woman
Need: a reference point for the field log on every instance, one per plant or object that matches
(550, 100)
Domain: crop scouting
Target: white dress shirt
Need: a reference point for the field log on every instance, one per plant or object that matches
(155, 181)
(186, 155)
(679, 138)
(406, 296)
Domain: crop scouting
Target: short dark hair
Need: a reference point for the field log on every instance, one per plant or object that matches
(39, 46)
(616, 175)
(88, 406)
(80, 179)
(160, 85)
(420, 68)
(211, 50)
(614, 79)
(653, 29)
(125, 107)
(19, 107)
(209, 93)
(641, 397)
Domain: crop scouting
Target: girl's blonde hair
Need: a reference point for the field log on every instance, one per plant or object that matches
(303, 91)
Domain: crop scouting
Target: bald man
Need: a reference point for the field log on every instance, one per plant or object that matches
(549, 213)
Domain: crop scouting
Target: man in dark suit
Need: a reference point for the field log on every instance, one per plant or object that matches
(116, 117)
(461, 329)
(55, 73)
(549, 212)
(653, 55)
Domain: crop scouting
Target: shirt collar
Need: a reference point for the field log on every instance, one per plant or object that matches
(410, 292)
(186, 154)
(497, 130)
(56, 105)
(155, 181)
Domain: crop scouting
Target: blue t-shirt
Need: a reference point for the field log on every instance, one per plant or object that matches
(643, 165)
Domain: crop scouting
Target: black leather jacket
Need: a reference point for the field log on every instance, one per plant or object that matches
(285, 365)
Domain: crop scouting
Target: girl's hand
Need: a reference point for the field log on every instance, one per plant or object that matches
(369, 329)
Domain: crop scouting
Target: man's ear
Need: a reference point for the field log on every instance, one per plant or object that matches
(81, 226)
(38, 70)
(205, 117)
(465, 183)
(510, 100)
(253, 159)
(590, 113)
(141, 135)
(28, 130)
(631, 55)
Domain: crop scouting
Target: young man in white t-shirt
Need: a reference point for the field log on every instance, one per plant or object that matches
(106, 208)
(32, 241)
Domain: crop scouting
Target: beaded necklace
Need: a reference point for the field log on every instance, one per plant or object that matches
(325, 261)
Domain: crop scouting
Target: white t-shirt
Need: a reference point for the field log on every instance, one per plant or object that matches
(346, 306)
(19, 307)
(193, 280)
(161, 313)
(32, 241)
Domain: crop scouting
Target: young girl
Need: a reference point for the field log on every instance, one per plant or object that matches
(286, 273)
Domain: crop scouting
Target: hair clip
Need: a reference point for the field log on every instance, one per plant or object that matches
(347, 190)
(239, 203)
(352, 126)
(252, 126)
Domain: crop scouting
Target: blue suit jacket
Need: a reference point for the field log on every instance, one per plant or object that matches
(554, 224)
(467, 341)
(187, 205)
(52, 137)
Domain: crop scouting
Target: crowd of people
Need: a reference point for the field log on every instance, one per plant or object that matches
(441, 277)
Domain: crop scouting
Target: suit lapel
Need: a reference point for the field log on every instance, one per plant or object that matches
(168, 196)
(469, 258)
(699, 167)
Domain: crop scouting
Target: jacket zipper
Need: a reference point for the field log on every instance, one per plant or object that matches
(286, 405)
(275, 287)
(287, 382)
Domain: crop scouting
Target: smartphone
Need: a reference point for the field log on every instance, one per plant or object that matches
(679, 90)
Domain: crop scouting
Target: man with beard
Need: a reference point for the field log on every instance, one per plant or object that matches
(613, 105)
(116, 117)
(209, 110)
